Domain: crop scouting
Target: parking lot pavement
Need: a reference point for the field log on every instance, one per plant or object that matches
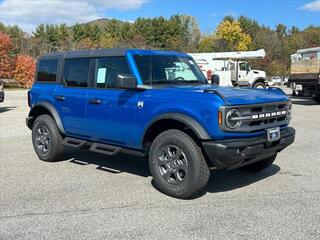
(91, 196)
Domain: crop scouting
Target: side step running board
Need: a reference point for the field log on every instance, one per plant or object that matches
(100, 147)
(74, 142)
(104, 149)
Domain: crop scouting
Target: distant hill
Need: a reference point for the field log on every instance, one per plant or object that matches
(104, 21)
(99, 22)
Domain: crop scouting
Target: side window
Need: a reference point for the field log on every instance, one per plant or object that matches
(76, 72)
(107, 70)
(243, 66)
(47, 70)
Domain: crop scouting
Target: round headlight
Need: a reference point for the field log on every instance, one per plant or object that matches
(231, 120)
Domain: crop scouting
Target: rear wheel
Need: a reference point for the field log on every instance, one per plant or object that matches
(259, 166)
(46, 139)
(177, 165)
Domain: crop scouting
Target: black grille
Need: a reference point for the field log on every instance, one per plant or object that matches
(261, 116)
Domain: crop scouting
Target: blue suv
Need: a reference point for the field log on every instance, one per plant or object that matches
(155, 104)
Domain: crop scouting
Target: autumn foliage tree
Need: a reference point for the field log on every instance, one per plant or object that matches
(24, 71)
(6, 60)
(232, 36)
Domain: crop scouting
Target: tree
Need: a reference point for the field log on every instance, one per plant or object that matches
(281, 30)
(206, 44)
(232, 36)
(294, 30)
(64, 37)
(311, 36)
(107, 41)
(6, 49)
(86, 43)
(24, 71)
(138, 42)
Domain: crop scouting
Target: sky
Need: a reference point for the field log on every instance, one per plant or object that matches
(30, 13)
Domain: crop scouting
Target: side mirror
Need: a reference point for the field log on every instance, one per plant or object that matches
(126, 81)
(215, 80)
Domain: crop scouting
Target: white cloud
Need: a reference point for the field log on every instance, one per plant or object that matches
(29, 13)
(231, 13)
(312, 6)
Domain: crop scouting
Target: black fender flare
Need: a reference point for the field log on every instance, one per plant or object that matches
(53, 112)
(194, 125)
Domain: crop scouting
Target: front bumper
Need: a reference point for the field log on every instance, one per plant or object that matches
(235, 153)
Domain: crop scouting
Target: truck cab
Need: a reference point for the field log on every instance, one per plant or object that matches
(231, 68)
(154, 104)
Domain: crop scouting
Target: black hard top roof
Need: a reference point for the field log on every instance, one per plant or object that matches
(109, 52)
(88, 53)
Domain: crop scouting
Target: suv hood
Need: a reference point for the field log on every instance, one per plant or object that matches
(236, 96)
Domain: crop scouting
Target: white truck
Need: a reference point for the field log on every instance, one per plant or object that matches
(231, 69)
(305, 73)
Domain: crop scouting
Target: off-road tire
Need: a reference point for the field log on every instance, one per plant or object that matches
(197, 174)
(259, 166)
(317, 98)
(54, 143)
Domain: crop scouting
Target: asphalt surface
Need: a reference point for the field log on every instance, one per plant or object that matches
(92, 196)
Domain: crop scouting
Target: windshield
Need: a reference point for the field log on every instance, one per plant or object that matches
(168, 69)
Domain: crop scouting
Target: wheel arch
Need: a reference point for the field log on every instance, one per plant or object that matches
(44, 108)
(174, 120)
(259, 79)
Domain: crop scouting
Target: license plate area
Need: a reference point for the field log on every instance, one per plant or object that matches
(273, 134)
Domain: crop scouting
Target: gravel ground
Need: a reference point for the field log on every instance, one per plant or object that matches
(92, 196)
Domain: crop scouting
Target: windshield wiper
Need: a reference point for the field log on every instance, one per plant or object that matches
(192, 81)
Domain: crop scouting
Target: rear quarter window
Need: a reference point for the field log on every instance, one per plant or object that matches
(47, 70)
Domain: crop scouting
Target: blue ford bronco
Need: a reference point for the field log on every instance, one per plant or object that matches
(155, 104)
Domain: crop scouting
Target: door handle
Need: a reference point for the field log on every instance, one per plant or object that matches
(95, 101)
(60, 98)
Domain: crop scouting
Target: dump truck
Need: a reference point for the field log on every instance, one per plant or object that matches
(305, 73)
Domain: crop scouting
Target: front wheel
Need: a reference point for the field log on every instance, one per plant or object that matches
(259, 85)
(177, 165)
(317, 98)
(259, 166)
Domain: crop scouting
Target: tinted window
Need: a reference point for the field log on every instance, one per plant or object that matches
(47, 70)
(107, 70)
(76, 72)
(171, 69)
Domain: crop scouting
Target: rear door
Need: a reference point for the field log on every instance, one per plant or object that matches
(70, 97)
(111, 112)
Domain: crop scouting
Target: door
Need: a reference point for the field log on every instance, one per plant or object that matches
(243, 71)
(111, 112)
(70, 97)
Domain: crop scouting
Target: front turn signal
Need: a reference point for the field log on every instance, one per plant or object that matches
(220, 118)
